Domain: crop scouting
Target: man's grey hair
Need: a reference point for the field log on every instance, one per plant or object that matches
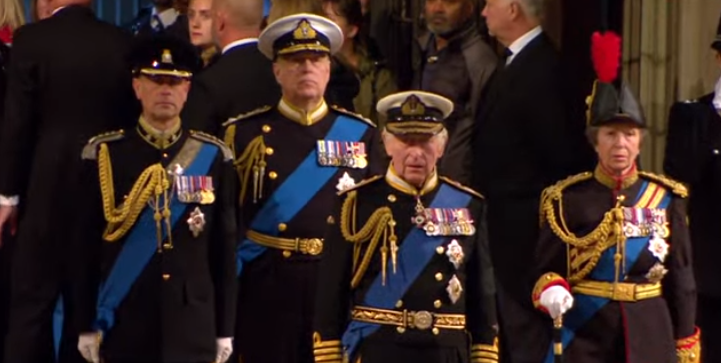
(532, 8)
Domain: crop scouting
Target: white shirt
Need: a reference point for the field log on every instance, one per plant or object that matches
(717, 95)
(58, 9)
(520, 43)
(167, 17)
(238, 43)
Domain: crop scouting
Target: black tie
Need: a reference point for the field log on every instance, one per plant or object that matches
(507, 53)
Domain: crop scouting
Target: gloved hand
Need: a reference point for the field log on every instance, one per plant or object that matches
(225, 349)
(89, 346)
(557, 300)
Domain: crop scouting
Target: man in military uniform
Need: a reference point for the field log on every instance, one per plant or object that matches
(407, 260)
(692, 156)
(614, 253)
(291, 160)
(155, 275)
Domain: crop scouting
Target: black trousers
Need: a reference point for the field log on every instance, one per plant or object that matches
(381, 352)
(708, 319)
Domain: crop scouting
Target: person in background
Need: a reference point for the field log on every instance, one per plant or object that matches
(693, 156)
(41, 10)
(200, 25)
(160, 17)
(455, 62)
(11, 18)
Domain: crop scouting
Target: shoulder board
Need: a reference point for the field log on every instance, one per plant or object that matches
(461, 187)
(352, 114)
(227, 154)
(90, 151)
(675, 187)
(361, 183)
(558, 188)
(246, 115)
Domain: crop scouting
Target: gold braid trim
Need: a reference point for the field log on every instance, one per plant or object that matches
(152, 181)
(252, 160)
(379, 225)
(688, 350)
(676, 187)
(485, 353)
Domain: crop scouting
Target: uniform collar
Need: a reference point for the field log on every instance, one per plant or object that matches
(166, 17)
(300, 116)
(239, 43)
(159, 139)
(616, 182)
(519, 44)
(396, 182)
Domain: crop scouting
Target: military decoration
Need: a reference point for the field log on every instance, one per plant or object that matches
(658, 247)
(195, 189)
(454, 289)
(345, 182)
(196, 222)
(349, 154)
(656, 273)
(644, 222)
(455, 253)
(445, 221)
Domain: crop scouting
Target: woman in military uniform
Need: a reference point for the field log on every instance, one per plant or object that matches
(614, 253)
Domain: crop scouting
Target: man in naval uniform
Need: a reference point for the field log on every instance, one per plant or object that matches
(614, 253)
(406, 276)
(291, 159)
(155, 276)
(693, 156)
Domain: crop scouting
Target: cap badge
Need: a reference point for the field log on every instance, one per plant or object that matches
(413, 106)
(304, 31)
(167, 56)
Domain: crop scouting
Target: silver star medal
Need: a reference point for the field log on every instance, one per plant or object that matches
(196, 222)
(345, 182)
(656, 273)
(454, 289)
(455, 253)
(177, 170)
(658, 247)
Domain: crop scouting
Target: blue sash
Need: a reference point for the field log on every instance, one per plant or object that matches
(584, 306)
(140, 246)
(58, 320)
(296, 191)
(416, 251)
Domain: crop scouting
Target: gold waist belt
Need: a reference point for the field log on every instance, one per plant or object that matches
(420, 320)
(308, 246)
(620, 291)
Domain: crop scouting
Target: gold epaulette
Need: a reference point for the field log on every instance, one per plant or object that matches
(90, 151)
(461, 187)
(227, 154)
(676, 187)
(555, 190)
(352, 114)
(246, 115)
(361, 183)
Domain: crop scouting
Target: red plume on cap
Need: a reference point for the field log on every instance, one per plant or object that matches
(606, 55)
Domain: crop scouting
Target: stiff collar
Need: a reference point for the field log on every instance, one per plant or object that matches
(298, 115)
(616, 182)
(238, 43)
(58, 10)
(396, 182)
(166, 17)
(520, 43)
(160, 139)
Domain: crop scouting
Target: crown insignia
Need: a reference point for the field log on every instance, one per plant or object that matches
(304, 31)
(413, 106)
(167, 57)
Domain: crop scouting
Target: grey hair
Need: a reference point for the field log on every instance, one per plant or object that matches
(532, 8)
(592, 134)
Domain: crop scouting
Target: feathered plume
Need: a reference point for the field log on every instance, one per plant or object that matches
(606, 55)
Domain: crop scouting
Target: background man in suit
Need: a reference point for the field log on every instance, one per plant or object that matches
(242, 79)
(162, 17)
(692, 156)
(59, 94)
(521, 145)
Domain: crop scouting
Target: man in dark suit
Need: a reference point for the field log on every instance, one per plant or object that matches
(521, 146)
(161, 17)
(242, 79)
(68, 80)
(693, 148)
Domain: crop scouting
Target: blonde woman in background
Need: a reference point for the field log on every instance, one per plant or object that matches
(11, 18)
(200, 22)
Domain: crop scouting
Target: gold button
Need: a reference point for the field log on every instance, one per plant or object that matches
(437, 304)
(401, 330)
(272, 175)
(439, 250)
(282, 227)
(287, 254)
(399, 304)
(166, 277)
(269, 151)
(391, 198)
(266, 128)
(436, 331)
(165, 155)
(439, 276)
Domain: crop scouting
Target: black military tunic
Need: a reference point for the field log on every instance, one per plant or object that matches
(343, 286)
(277, 286)
(185, 296)
(645, 330)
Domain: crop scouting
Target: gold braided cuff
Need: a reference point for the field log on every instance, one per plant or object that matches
(329, 351)
(543, 283)
(485, 353)
(688, 350)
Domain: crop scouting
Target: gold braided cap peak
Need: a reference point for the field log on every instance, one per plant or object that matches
(353, 114)
(675, 187)
(202, 136)
(243, 116)
(462, 187)
(361, 183)
(90, 151)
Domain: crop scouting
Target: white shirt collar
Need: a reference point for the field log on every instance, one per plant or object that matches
(238, 43)
(520, 43)
(717, 95)
(167, 17)
(58, 9)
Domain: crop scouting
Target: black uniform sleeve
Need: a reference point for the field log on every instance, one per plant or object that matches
(334, 293)
(550, 263)
(222, 256)
(378, 160)
(199, 111)
(687, 127)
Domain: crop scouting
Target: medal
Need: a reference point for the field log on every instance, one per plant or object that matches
(345, 182)
(454, 289)
(455, 253)
(196, 222)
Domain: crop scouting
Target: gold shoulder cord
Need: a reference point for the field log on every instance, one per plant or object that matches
(380, 225)
(152, 181)
(252, 159)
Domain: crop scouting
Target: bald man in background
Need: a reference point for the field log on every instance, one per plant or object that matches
(242, 79)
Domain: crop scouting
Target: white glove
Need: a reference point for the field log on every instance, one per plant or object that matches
(89, 346)
(225, 349)
(557, 300)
